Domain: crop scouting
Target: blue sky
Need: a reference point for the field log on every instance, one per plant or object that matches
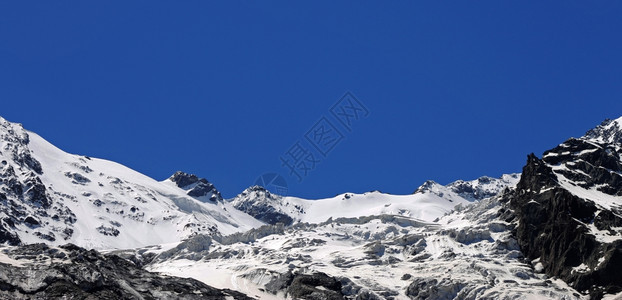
(455, 90)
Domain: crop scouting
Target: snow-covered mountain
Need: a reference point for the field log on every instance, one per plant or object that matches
(556, 235)
(48, 195)
(552, 232)
(469, 254)
(430, 201)
(51, 196)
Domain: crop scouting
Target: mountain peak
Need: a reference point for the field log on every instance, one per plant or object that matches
(14, 142)
(608, 132)
(183, 179)
(262, 205)
(197, 187)
(13, 131)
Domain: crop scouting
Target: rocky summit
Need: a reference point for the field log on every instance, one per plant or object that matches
(78, 227)
(569, 212)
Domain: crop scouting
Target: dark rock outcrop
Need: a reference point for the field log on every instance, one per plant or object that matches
(8, 237)
(310, 286)
(183, 179)
(53, 273)
(317, 286)
(196, 187)
(432, 289)
(555, 224)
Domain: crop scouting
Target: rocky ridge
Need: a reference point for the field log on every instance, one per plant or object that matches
(569, 210)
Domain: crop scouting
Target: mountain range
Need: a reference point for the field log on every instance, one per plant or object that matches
(86, 228)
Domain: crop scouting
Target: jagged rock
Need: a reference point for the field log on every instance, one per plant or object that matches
(26, 159)
(432, 289)
(77, 178)
(588, 164)
(183, 179)
(36, 192)
(31, 221)
(469, 235)
(205, 188)
(107, 230)
(54, 273)
(8, 237)
(553, 223)
(261, 204)
(608, 132)
(197, 187)
(318, 286)
(279, 283)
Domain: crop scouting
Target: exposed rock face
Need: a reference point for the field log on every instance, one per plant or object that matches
(260, 203)
(183, 179)
(24, 199)
(41, 272)
(609, 132)
(197, 187)
(315, 286)
(7, 237)
(432, 289)
(568, 214)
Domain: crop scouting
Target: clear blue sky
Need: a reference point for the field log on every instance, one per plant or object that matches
(455, 90)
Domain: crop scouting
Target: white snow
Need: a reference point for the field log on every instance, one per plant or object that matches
(373, 239)
(463, 247)
(601, 199)
(425, 207)
(143, 210)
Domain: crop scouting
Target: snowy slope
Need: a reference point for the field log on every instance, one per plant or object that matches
(425, 206)
(468, 254)
(430, 201)
(455, 241)
(56, 197)
(97, 203)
